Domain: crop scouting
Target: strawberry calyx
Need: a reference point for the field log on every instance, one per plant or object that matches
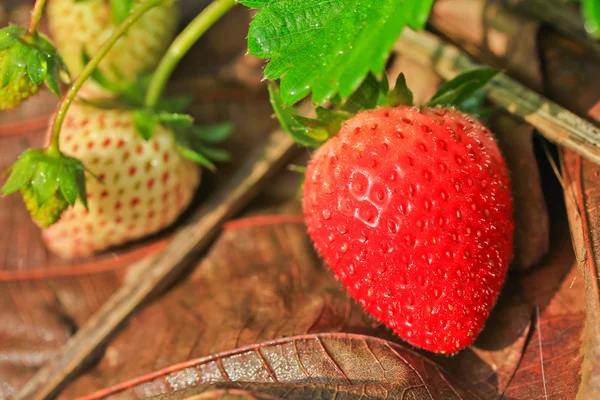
(196, 143)
(465, 92)
(49, 181)
(31, 57)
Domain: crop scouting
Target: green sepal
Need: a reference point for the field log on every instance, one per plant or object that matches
(21, 171)
(370, 94)
(45, 181)
(9, 35)
(33, 56)
(120, 10)
(458, 90)
(287, 119)
(326, 125)
(401, 94)
(49, 183)
(197, 143)
(144, 122)
(213, 134)
(196, 157)
(465, 92)
(37, 68)
(14, 64)
(98, 76)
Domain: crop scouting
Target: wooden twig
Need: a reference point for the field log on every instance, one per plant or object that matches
(562, 15)
(551, 120)
(161, 270)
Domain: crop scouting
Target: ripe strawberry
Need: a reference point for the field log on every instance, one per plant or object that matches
(79, 26)
(413, 212)
(145, 185)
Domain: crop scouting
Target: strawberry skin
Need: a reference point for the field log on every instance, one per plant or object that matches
(413, 212)
(145, 185)
(85, 25)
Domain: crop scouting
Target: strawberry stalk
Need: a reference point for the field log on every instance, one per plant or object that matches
(53, 148)
(181, 46)
(36, 16)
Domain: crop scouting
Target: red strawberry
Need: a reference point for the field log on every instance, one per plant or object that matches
(146, 184)
(413, 212)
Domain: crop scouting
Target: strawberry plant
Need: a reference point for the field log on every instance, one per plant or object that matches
(410, 205)
(138, 149)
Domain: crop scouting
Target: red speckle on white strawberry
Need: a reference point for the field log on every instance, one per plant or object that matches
(413, 212)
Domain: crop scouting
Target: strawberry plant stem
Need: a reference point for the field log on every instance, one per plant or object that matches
(53, 148)
(36, 16)
(181, 46)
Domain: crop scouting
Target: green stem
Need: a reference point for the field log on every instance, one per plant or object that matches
(36, 15)
(181, 45)
(91, 66)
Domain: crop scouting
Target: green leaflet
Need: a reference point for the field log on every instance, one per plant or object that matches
(328, 47)
(591, 14)
(457, 91)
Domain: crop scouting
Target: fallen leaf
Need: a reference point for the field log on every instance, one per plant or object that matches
(573, 71)
(327, 366)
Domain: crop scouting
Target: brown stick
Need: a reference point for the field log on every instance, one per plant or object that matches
(157, 272)
(554, 122)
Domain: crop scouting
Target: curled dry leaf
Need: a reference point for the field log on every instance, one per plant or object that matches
(326, 365)
(571, 71)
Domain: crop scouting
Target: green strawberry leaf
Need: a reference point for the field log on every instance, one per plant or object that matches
(326, 47)
(286, 116)
(401, 94)
(21, 172)
(144, 122)
(459, 89)
(121, 9)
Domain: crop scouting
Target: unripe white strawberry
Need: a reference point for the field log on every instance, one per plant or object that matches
(145, 185)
